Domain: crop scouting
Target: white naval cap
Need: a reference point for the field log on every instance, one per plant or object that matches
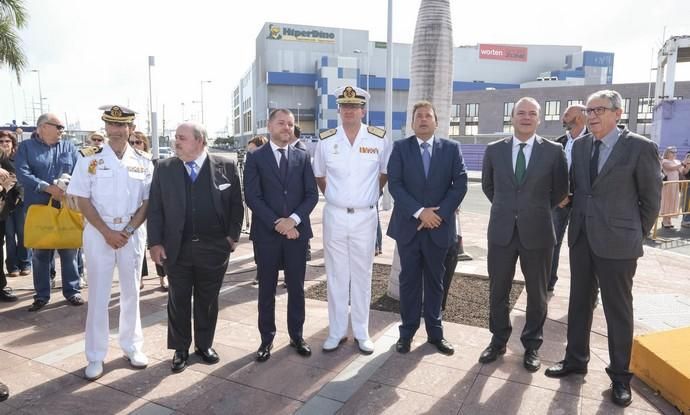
(351, 95)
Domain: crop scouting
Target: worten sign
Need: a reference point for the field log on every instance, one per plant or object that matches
(503, 53)
(277, 32)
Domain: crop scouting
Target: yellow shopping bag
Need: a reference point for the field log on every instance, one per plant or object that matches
(47, 227)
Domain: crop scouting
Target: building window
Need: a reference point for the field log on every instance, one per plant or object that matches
(508, 128)
(471, 119)
(507, 117)
(625, 115)
(455, 112)
(454, 130)
(645, 107)
(247, 124)
(572, 102)
(552, 111)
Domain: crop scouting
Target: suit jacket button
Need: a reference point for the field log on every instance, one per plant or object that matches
(284, 192)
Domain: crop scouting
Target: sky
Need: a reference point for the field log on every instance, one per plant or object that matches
(92, 52)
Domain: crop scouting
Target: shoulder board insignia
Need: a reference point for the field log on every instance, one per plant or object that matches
(90, 151)
(378, 132)
(327, 133)
(144, 154)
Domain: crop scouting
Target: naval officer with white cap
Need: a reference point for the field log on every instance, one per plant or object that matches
(112, 188)
(350, 168)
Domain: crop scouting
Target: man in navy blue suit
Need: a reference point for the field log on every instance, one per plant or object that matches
(280, 189)
(427, 179)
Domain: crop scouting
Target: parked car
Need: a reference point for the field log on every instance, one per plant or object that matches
(164, 152)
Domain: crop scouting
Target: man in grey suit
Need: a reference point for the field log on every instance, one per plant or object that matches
(616, 191)
(524, 177)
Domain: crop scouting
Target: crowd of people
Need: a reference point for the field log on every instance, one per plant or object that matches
(599, 180)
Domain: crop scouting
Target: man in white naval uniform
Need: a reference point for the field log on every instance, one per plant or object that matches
(350, 168)
(112, 189)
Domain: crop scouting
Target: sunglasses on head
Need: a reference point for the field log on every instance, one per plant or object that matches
(97, 139)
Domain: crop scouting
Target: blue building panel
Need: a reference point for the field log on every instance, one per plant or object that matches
(379, 118)
(340, 73)
(601, 59)
(477, 86)
(324, 61)
(323, 84)
(332, 104)
(562, 75)
(290, 78)
(332, 123)
(399, 84)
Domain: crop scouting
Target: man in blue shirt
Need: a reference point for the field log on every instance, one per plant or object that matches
(39, 161)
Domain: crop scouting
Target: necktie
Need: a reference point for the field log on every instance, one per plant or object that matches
(520, 164)
(192, 170)
(426, 158)
(282, 165)
(594, 163)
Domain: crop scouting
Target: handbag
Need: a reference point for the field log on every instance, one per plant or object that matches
(48, 227)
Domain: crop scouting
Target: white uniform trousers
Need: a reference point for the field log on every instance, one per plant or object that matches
(101, 261)
(349, 240)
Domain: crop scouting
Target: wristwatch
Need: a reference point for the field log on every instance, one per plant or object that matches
(130, 229)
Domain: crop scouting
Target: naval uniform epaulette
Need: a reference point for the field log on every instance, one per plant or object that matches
(378, 132)
(328, 133)
(90, 151)
(147, 156)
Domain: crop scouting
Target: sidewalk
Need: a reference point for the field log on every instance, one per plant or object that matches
(42, 358)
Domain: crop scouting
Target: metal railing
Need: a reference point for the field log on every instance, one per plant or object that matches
(683, 207)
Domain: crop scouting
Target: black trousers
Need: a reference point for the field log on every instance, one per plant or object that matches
(3, 277)
(198, 272)
(289, 255)
(615, 279)
(535, 265)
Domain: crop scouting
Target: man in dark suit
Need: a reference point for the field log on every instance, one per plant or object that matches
(616, 191)
(574, 123)
(427, 179)
(194, 222)
(524, 177)
(280, 189)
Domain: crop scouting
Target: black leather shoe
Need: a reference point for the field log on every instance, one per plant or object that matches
(179, 361)
(264, 352)
(7, 296)
(207, 355)
(562, 369)
(37, 305)
(491, 353)
(403, 345)
(4, 392)
(621, 394)
(531, 360)
(443, 346)
(301, 346)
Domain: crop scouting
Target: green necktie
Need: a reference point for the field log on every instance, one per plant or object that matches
(520, 164)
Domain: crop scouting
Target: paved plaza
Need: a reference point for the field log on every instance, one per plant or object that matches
(42, 354)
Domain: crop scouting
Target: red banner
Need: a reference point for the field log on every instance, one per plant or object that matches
(503, 53)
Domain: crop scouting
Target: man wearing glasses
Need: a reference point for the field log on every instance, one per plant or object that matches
(616, 186)
(40, 161)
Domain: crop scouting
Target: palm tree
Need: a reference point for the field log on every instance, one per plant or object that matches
(12, 17)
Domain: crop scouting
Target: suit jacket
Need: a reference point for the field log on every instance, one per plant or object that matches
(444, 187)
(267, 196)
(563, 140)
(622, 204)
(167, 200)
(526, 206)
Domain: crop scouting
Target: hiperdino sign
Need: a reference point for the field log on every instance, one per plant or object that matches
(276, 32)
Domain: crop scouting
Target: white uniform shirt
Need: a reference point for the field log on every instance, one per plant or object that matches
(352, 171)
(115, 187)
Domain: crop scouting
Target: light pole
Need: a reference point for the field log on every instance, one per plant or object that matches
(299, 104)
(182, 105)
(40, 93)
(202, 99)
(360, 52)
(153, 116)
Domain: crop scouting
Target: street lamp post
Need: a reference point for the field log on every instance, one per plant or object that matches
(182, 105)
(40, 93)
(299, 104)
(202, 99)
(366, 87)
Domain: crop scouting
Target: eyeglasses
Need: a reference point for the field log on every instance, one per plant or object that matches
(99, 140)
(60, 127)
(137, 142)
(597, 110)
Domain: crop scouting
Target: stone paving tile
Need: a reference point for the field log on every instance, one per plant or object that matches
(158, 384)
(8, 361)
(606, 407)
(31, 381)
(88, 398)
(233, 398)
(334, 361)
(374, 398)
(232, 360)
(496, 396)
(465, 357)
(426, 378)
(284, 377)
(246, 337)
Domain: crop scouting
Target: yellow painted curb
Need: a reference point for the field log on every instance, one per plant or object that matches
(662, 361)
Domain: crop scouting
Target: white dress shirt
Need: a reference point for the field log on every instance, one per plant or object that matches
(276, 154)
(527, 150)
